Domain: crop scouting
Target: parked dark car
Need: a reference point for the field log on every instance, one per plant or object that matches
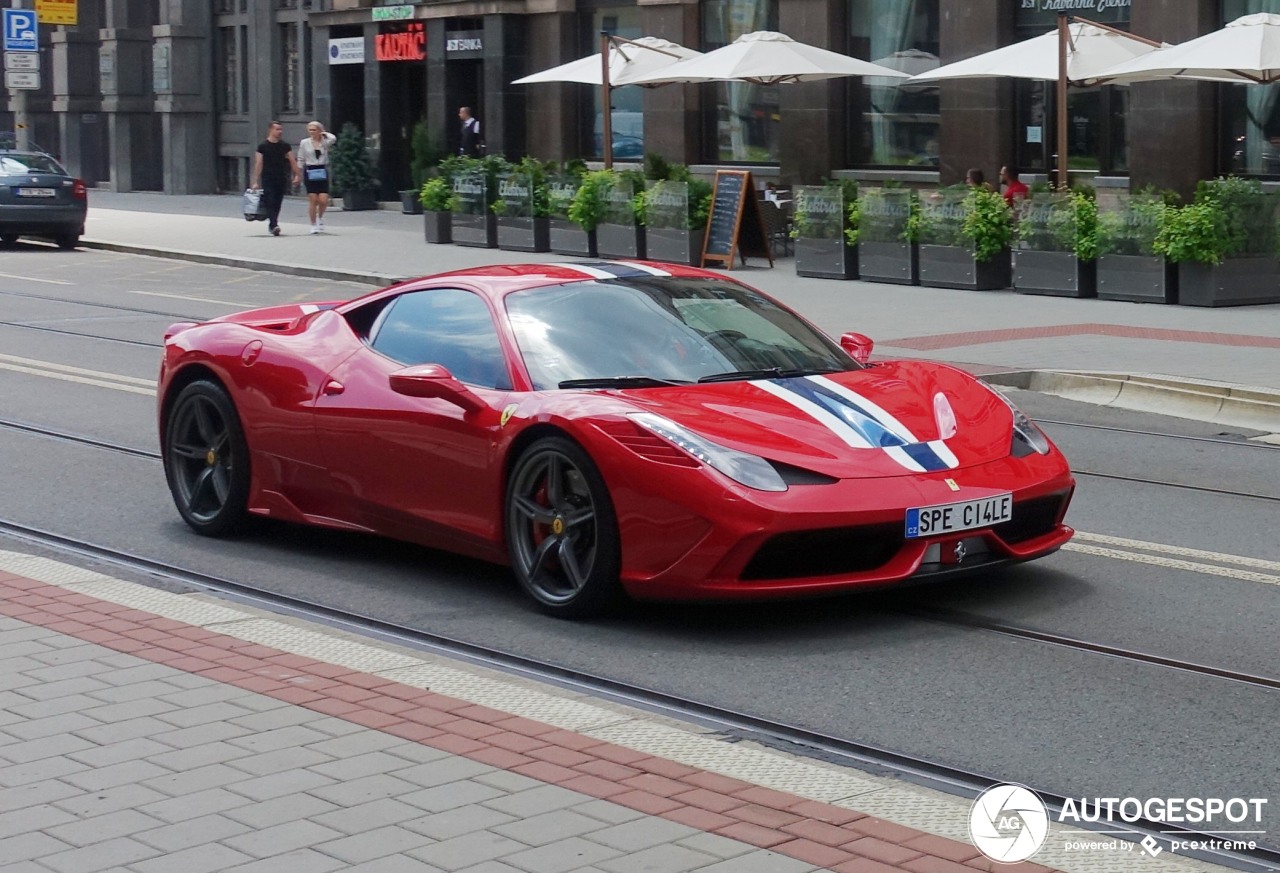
(38, 197)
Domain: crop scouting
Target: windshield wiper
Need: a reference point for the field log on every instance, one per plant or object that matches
(769, 373)
(619, 382)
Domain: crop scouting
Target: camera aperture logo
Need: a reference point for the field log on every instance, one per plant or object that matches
(1008, 823)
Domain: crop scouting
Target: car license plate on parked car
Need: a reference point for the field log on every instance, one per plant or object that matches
(928, 521)
(35, 192)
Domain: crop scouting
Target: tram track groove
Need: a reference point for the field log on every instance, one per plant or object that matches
(731, 725)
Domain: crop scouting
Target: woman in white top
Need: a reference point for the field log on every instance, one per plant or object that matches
(313, 157)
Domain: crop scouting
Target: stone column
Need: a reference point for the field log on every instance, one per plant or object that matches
(1172, 125)
(81, 126)
(124, 74)
(814, 113)
(441, 118)
(182, 73)
(673, 122)
(505, 58)
(977, 114)
(551, 108)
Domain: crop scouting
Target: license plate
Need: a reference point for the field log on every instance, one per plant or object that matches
(36, 192)
(929, 521)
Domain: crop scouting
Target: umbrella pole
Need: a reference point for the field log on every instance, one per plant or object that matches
(605, 102)
(1063, 39)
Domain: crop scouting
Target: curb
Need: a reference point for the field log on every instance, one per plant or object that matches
(1217, 402)
(376, 279)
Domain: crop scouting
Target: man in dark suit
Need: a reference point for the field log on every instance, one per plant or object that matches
(470, 143)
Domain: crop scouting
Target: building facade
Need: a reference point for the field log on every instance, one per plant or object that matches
(174, 95)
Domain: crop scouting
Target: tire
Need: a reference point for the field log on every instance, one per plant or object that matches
(562, 533)
(206, 460)
(67, 241)
(8, 238)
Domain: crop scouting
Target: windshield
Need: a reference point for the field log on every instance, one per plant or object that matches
(662, 329)
(21, 162)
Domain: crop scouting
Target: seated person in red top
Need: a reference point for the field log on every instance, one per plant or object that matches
(1014, 190)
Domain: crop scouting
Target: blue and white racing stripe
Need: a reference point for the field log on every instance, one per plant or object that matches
(860, 422)
(613, 269)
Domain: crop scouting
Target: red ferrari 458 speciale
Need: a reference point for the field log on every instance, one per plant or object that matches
(606, 427)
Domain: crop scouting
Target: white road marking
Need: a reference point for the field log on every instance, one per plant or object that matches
(34, 279)
(1220, 557)
(67, 373)
(232, 304)
(1173, 563)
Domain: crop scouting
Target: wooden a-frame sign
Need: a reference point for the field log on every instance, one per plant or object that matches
(734, 223)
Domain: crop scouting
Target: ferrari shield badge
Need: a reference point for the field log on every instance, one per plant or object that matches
(506, 415)
(951, 483)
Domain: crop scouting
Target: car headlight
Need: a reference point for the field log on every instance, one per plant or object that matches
(1027, 438)
(750, 470)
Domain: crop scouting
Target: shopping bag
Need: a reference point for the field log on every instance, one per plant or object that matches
(253, 208)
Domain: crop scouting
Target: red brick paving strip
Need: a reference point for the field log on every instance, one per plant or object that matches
(1014, 334)
(816, 833)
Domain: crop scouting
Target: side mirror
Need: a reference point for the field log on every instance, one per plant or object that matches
(858, 346)
(435, 381)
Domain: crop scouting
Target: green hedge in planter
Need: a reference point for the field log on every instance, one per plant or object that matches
(350, 162)
(1059, 222)
(1230, 217)
(973, 218)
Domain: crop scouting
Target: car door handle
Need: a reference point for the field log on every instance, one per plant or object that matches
(332, 387)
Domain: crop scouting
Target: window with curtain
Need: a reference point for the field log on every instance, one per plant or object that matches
(892, 124)
(227, 67)
(291, 74)
(1250, 114)
(747, 117)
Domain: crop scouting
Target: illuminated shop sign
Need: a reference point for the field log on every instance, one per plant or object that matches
(1044, 13)
(401, 43)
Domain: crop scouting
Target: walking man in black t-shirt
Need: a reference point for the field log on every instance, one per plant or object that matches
(273, 165)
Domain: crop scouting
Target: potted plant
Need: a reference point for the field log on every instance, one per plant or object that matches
(568, 236)
(423, 156)
(587, 209)
(1129, 267)
(353, 177)
(1224, 244)
(674, 214)
(1057, 245)
(436, 196)
(620, 232)
(964, 236)
(474, 183)
(888, 222)
(522, 208)
(825, 230)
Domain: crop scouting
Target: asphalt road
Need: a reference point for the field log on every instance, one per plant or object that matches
(78, 335)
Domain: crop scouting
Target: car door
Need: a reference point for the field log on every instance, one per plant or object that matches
(422, 468)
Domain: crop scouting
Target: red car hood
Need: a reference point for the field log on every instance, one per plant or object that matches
(837, 424)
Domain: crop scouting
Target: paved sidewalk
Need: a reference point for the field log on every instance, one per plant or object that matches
(143, 731)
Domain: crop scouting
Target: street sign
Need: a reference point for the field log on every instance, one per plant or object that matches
(22, 80)
(392, 13)
(56, 11)
(22, 60)
(20, 30)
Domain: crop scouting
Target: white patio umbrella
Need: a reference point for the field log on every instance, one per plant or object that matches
(766, 58)
(1078, 52)
(1246, 50)
(619, 61)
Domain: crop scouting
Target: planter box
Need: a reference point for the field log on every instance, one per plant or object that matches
(954, 267)
(524, 234)
(480, 231)
(1058, 274)
(437, 226)
(826, 259)
(356, 201)
(621, 241)
(895, 263)
(1137, 279)
(567, 238)
(673, 245)
(410, 204)
(1239, 281)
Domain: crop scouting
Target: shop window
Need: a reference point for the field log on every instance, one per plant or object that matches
(627, 120)
(748, 121)
(227, 69)
(1250, 114)
(892, 124)
(291, 73)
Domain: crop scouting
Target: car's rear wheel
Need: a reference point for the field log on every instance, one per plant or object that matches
(8, 238)
(206, 460)
(67, 241)
(562, 533)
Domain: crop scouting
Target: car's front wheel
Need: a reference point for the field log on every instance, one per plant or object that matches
(67, 241)
(206, 460)
(562, 533)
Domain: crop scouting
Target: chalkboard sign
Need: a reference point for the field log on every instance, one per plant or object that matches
(734, 222)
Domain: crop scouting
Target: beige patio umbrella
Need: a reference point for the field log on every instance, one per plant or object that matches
(1246, 50)
(618, 63)
(1078, 52)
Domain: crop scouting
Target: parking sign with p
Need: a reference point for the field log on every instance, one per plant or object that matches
(20, 30)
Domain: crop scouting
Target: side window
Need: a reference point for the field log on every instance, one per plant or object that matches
(445, 326)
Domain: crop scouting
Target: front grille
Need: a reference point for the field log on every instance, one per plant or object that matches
(829, 552)
(1031, 518)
